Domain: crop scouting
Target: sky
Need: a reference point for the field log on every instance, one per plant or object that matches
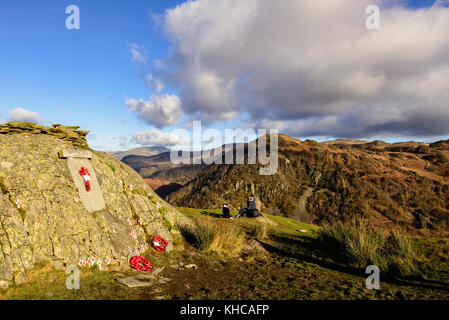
(137, 71)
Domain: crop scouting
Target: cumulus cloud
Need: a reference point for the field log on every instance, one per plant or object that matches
(157, 137)
(21, 114)
(311, 66)
(161, 110)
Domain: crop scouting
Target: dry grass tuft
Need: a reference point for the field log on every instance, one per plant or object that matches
(359, 244)
(260, 231)
(222, 236)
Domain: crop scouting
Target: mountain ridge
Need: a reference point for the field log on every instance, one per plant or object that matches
(394, 184)
(140, 151)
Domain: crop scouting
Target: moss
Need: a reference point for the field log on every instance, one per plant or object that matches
(152, 198)
(167, 224)
(139, 191)
(3, 186)
(111, 166)
(22, 213)
(5, 191)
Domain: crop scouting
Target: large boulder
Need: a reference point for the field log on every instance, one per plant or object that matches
(42, 217)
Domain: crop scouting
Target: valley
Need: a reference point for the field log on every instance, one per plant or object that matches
(392, 184)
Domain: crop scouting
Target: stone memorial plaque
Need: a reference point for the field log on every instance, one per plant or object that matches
(85, 179)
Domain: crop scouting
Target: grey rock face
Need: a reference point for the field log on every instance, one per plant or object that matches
(43, 219)
(133, 282)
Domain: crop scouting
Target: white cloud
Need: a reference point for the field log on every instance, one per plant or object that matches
(153, 84)
(157, 137)
(92, 137)
(123, 141)
(161, 110)
(1, 119)
(21, 114)
(137, 53)
(312, 65)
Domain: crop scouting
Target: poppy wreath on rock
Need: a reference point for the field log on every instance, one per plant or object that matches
(140, 264)
(84, 173)
(159, 243)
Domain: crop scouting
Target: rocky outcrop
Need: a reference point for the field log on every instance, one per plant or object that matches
(42, 217)
(66, 133)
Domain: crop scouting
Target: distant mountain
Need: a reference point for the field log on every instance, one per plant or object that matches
(164, 176)
(344, 141)
(142, 151)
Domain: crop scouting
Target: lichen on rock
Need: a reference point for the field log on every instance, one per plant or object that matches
(43, 219)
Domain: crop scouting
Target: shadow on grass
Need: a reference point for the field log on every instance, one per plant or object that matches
(212, 214)
(306, 249)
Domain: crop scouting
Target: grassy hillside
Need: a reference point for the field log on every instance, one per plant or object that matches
(292, 264)
(400, 184)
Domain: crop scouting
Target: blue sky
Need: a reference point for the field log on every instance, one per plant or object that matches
(80, 76)
(84, 77)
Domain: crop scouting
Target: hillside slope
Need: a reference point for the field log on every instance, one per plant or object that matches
(393, 184)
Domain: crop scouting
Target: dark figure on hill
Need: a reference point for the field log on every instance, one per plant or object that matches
(251, 210)
(226, 211)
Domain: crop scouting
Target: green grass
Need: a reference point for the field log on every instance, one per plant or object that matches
(23, 213)
(283, 225)
(111, 167)
(296, 267)
(46, 283)
(406, 252)
(152, 199)
(3, 187)
(357, 243)
(167, 224)
(139, 191)
(260, 231)
(303, 271)
(209, 234)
